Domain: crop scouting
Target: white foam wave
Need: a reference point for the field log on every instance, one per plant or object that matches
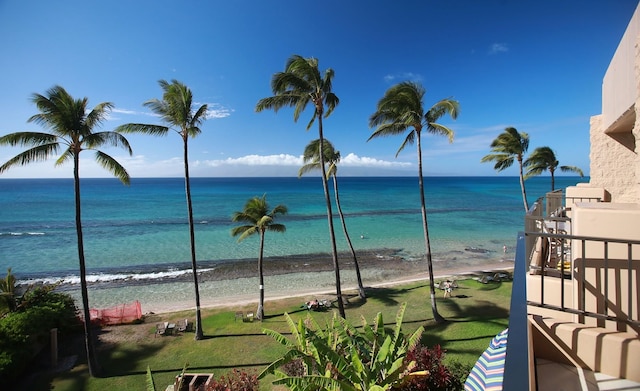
(94, 278)
(21, 233)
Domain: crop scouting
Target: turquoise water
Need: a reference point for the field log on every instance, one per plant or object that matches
(141, 230)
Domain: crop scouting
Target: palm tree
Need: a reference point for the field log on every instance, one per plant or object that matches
(175, 109)
(543, 159)
(258, 220)
(8, 294)
(72, 126)
(331, 157)
(507, 147)
(302, 83)
(401, 109)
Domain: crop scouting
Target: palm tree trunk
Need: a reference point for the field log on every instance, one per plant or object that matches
(92, 360)
(260, 312)
(423, 206)
(334, 251)
(524, 191)
(553, 180)
(192, 238)
(361, 292)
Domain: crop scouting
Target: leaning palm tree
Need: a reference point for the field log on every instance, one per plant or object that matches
(175, 109)
(302, 83)
(510, 145)
(401, 109)
(311, 159)
(258, 219)
(543, 159)
(72, 127)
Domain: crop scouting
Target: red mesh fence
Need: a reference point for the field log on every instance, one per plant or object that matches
(120, 314)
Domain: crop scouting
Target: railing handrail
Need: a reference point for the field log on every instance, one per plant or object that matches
(578, 274)
(517, 375)
(585, 238)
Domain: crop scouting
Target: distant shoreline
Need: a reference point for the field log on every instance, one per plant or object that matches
(235, 283)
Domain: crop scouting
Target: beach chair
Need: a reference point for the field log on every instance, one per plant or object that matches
(182, 325)
(161, 329)
(248, 318)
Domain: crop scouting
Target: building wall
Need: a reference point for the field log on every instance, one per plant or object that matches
(614, 155)
(613, 166)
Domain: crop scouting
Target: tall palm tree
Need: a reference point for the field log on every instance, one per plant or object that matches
(509, 146)
(401, 109)
(176, 110)
(72, 127)
(258, 220)
(311, 159)
(302, 83)
(543, 159)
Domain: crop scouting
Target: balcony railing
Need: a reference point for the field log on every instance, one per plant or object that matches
(590, 277)
(595, 280)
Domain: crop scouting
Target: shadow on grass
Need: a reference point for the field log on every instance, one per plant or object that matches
(489, 286)
(389, 296)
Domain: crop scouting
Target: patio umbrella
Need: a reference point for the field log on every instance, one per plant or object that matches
(488, 372)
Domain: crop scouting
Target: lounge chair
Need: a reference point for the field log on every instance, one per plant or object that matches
(248, 318)
(182, 325)
(161, 329)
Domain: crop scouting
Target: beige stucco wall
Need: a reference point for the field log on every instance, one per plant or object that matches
(614, 156)
(613, 166)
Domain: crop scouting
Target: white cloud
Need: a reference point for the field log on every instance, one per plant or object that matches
(216, 110)
(256, 160)
(140, 166)
(125, 111)
(390, 78)
(498, 48)
(357, 161)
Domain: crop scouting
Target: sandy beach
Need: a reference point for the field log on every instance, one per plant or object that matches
(235, 283)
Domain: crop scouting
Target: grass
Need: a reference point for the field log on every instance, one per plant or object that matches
(475, 314)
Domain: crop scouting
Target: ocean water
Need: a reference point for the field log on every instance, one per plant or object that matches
(140, 231)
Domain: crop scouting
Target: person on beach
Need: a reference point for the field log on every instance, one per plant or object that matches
(447, 289)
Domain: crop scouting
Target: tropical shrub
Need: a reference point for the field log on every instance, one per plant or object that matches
(440, 377)
(341, 357)
(24, 331)
(235, 381)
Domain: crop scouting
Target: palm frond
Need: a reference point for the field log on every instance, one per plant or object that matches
(64, 157)
(110, 164)
(35, 154)
(115, 139)
(574, 169)
(441, 130)
(99, 113)
(308, 168)
(411, 136)
(28, 139)
(153, 130)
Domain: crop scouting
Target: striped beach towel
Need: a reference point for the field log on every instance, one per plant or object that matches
(488, 372)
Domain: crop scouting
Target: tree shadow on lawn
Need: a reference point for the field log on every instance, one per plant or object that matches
(389, 296)
(472, 310)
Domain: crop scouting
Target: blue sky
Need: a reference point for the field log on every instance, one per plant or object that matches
(535, 65)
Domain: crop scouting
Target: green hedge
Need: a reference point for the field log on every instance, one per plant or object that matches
(24, 331)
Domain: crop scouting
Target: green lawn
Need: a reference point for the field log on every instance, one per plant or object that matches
(475, 314)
